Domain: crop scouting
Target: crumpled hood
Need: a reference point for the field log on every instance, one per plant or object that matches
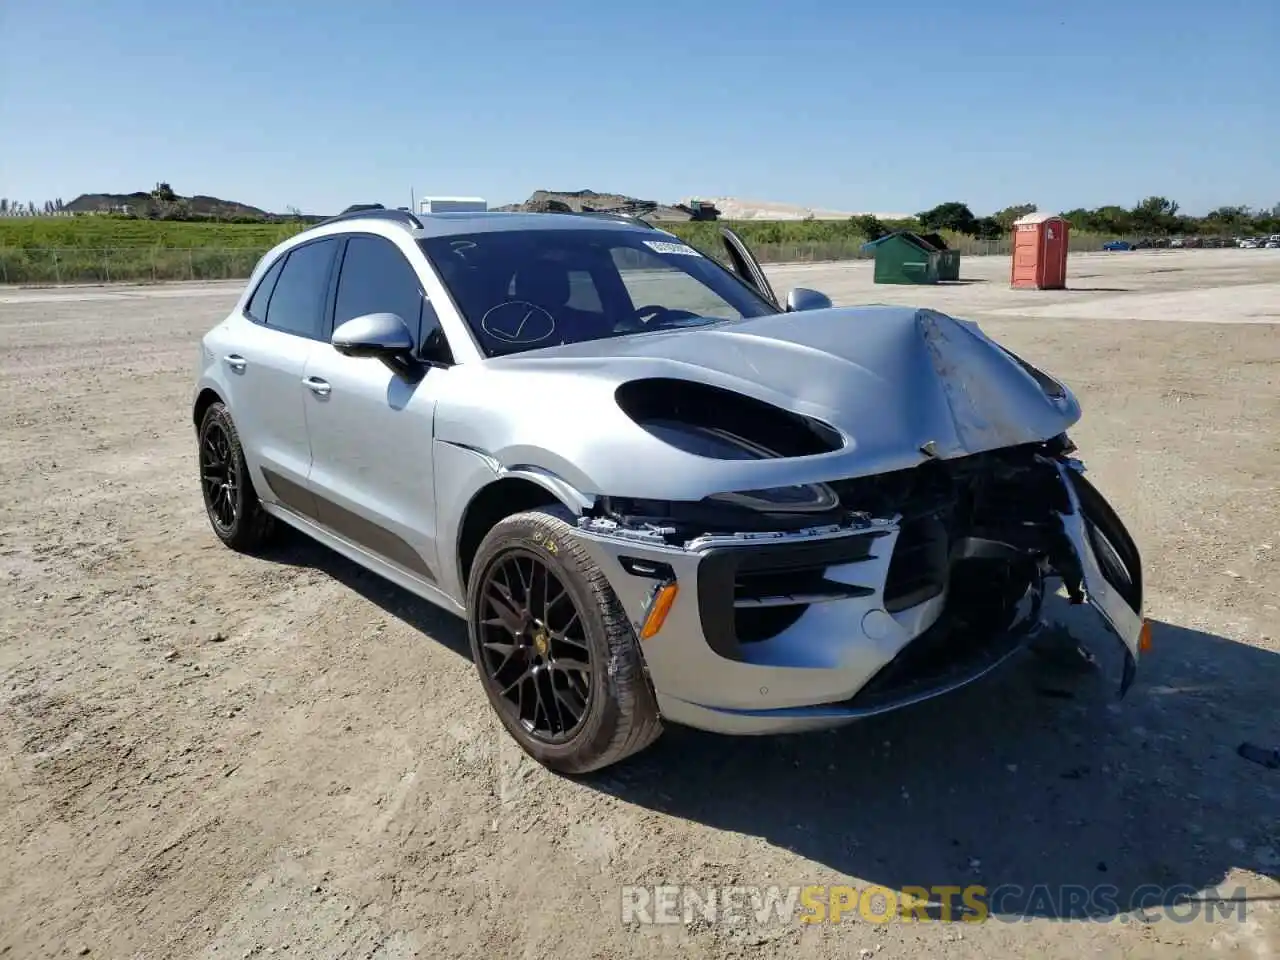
(891, 380)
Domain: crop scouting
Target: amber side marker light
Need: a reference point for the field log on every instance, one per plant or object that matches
(659, 607)
(1144, 637)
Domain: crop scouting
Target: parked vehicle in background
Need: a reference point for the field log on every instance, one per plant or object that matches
(1117, 245)
(1249, 243)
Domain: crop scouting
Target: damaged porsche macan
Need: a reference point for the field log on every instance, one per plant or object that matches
(655, 492)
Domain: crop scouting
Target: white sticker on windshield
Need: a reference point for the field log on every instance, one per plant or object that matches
(666, 246)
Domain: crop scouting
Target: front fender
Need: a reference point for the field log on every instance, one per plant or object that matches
(461, 473)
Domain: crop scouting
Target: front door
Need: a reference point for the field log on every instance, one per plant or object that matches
(746, 266)
(371, 430)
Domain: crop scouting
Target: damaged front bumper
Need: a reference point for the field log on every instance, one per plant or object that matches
(768, 632)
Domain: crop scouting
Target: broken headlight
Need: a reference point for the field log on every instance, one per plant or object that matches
(799, 498)
(774, 509)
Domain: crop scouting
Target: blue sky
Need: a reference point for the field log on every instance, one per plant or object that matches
(847, 104)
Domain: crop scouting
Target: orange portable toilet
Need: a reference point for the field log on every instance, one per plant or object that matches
(1040, 252)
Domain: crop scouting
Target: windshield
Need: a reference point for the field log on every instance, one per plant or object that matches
(526, 289)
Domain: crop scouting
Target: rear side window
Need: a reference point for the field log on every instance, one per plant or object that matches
(376, 278)
(257, 308)
(297, 303)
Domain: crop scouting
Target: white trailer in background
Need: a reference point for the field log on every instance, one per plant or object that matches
(452, 205)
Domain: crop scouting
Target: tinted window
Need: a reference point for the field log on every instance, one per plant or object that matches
(257, 307)
(525, 289)
(297, 304)
(376, 278)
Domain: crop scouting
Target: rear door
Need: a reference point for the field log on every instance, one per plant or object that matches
(282, 322)
(746, 266)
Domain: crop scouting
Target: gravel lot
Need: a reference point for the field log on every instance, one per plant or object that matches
(204, 755)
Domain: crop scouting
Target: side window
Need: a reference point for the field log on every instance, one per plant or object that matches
(257, 308)
(297, 304)
(376, 278)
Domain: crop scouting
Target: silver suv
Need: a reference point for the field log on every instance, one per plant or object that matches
(655, 491)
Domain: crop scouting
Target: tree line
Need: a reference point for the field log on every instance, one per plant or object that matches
(16, 208)
(1152, 217)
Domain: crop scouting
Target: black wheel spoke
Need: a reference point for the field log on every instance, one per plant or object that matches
(506, 649)
(572, 702)
(576, 666)
(540, 679)
(514, 685)
(499, 598)
(563, 636)
(523, 653)
(526, 584)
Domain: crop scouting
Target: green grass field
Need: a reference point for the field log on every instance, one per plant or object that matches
(97, 249)
(62, 233)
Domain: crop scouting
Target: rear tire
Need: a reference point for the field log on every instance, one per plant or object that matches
(539, 661)
(230, 501)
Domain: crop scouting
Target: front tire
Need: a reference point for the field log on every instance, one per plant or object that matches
(556, 655)
(230, 502)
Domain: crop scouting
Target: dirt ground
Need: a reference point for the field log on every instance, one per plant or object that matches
(205, 755)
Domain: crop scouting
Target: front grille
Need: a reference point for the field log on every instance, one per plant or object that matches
(747, 594)
(918, 570)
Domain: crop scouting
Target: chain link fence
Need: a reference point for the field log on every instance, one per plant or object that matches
(50, 265)
(57, 265)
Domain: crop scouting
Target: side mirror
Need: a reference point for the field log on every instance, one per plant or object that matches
(382, 336)
(802, 298)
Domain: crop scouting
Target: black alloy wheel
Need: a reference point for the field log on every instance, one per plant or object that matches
(220, 477)
(534, 646)
(232, 505)
(557, 656)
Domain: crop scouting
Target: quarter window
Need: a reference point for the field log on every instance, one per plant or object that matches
(298, 301)
(257, 309)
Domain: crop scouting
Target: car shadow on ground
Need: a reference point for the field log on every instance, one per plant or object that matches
(1036, 783)
(1026, 782)
(295, 549)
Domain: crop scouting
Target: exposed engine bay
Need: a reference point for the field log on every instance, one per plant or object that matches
(978, 538)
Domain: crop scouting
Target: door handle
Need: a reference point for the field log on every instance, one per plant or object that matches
(317, 386)
(235, 362)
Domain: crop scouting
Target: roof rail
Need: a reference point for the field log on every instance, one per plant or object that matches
(615, 217)
(375, 211)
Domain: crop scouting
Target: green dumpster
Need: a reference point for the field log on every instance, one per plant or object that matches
(904, 257)
(948, 259)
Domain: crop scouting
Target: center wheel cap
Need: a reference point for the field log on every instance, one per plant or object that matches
(541, 642)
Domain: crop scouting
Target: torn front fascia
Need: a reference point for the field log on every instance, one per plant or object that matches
(1120, 618)
(669, 535)
(864, 503)
(666, 523)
